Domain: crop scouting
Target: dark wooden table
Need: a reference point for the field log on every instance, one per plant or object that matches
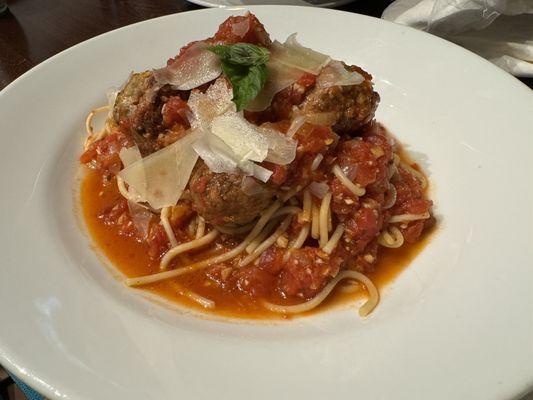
(34, 30)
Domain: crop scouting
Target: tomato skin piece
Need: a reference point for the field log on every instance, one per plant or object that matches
(103, 154)
(230, 31)
(175, 112)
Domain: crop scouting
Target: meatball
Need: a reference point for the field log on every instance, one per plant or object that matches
(130, 96)
(139, 107)
(220, 199)
(352, 106)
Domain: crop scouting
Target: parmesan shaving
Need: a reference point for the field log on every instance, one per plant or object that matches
(141, 218)
(287, 63)
(214, 102)
(231, 143)
(336, 74)
(280, 76)
(216, 154)
(160, 178)
(281, 148)
(293, 54)
(129, 155)
(194, 68)
(244, 139)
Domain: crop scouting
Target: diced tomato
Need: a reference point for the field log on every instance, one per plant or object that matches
(255, 281)
(184, 49)
(200, 185)
(362, 228)
(409, 195)
(306, 272)
(413, 231)
(119, 215)
(175, 112)
(103, 154)
(180, 214)
(272, 260)
(283, 102)
(314, 138)
(344, 201)
(158, 243)
(244, 29)
(279, 172)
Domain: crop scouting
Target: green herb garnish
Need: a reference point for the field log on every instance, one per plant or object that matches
(245, 66)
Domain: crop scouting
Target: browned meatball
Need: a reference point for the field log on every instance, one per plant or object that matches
(139, 105)
(220, 199)
(352, 106)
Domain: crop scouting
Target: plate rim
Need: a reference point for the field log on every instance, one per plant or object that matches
(24, 373)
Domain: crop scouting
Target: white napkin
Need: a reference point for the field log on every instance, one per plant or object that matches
(499, 30)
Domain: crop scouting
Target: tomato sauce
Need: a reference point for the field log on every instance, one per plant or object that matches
(131, 257)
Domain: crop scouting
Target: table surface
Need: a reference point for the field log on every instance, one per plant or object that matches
(34, 30)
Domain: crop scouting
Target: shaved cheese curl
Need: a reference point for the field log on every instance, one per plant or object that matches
(194, 68)
(160, 178)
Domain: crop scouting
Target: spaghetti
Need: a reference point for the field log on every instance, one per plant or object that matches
(308, 207)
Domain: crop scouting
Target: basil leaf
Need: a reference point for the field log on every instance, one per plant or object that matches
(244, 65)
(247, 81)
(241, 53)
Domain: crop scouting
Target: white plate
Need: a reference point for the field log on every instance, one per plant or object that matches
(248, 3)
(457, 324)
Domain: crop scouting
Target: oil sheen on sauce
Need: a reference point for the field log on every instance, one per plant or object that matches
(131, 258)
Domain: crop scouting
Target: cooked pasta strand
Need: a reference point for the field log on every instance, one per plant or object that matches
(182, 248)
(267, 243)
(408, 217)
(235, 230)
(316, 162)
(370, 304)
(203, 301)
(330, 221)
(352, 187)
(301, 238)
(419, 176)
(391, 237)
(143, 280)
(323, 215)
(200, 229)
(287, 210)
(305, 216)
(315, 222)
(390, 198)
(264, 233)
(290, 194)
(167, 227)
(334, 240)
(91, 135)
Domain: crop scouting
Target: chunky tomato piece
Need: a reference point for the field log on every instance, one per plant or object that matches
(409, 195)
(362, 228)
(283, 102)
(279, 172)
(244, 29)
(314, 138)
(272, 260)
(255, 281)
(103, 154)
(119, 215)
(306, 272)
(239, 29)
(158, 243)
(175, 111)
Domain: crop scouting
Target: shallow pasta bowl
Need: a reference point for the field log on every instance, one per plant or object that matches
(456, 324)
